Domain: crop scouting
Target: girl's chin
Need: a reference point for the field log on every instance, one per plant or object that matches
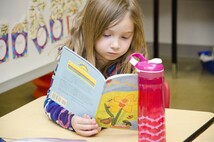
(111, 57)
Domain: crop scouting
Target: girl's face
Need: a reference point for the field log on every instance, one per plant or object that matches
(115, 41)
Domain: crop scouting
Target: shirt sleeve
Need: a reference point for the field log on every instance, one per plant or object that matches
(58, 114)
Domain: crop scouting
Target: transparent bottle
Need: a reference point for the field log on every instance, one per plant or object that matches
(151, 109)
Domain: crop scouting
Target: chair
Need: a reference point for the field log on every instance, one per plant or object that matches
(166, 94)
(42, 85)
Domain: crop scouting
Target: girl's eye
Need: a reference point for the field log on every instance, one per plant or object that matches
(106, 35)
(124, 37)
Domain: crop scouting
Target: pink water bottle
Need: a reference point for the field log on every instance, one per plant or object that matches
(151, 114)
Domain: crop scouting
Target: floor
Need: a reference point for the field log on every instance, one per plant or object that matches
(192, 89)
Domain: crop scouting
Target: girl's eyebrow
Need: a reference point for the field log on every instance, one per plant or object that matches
(122, 32)
(129, 32)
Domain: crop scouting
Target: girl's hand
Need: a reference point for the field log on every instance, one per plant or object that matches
(85, 126)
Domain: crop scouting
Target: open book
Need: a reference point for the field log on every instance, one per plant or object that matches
(81, 88)
(43, 139)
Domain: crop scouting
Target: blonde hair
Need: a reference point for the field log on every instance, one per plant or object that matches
(90, 23)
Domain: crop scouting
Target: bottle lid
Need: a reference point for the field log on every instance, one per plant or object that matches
(142, 64)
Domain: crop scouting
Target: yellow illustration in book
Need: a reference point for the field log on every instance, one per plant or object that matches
(118, 109)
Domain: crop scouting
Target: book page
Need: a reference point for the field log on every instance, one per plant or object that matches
(77, 84)
(43, 139)
(118, 105)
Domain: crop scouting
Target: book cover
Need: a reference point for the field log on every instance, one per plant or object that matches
(82, 89)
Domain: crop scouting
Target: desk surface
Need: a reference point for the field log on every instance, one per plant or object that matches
(206, 135)
(30, 121)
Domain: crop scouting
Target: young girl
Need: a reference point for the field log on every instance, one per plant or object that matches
(105, 33)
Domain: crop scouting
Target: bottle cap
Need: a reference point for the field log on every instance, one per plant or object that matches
(142, 64)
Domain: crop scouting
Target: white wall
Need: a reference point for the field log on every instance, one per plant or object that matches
(195, 23)
(15, 72)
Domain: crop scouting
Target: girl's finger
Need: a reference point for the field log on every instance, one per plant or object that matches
(87, 133)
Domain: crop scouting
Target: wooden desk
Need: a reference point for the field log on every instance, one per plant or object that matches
(31, 121)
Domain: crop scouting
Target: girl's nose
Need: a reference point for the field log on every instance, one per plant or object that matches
(115, 45)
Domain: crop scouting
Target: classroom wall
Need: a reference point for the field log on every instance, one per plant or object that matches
(195, 25)
(38, 28)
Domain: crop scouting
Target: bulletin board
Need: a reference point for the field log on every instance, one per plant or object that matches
(30, 33)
